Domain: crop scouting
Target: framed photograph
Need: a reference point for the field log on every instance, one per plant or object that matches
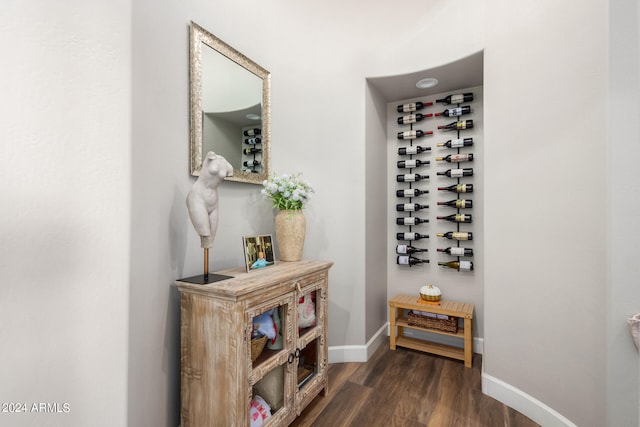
(258, 252)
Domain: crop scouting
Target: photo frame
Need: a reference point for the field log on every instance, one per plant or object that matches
(258, 252)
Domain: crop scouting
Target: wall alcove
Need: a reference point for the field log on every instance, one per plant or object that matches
(384, 278)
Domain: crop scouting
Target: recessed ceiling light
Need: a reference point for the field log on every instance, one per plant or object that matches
(426, 83)
(253, 116)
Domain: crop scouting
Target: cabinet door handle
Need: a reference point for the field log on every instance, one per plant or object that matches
(298, 287)
(293, 356)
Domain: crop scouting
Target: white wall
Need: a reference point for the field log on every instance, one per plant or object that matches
(623, 296)
(546, 184)
(376, 190)
(65, 176)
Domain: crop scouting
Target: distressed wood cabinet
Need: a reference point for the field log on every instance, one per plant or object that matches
(219, 378)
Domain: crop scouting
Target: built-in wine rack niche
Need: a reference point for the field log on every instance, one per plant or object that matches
(435, 167)
(252, 149)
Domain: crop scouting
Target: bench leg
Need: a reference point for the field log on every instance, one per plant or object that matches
(468, 342)
(392, 327)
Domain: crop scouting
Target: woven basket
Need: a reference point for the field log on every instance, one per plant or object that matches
(445, 325)
(257, 345)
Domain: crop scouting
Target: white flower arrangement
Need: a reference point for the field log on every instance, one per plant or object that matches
(287, 192)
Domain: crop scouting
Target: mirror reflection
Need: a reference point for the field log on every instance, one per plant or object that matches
(229, 107)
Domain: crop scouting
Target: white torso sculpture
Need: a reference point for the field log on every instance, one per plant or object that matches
(202, 200)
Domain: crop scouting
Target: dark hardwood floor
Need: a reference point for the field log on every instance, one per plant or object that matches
(407, 388)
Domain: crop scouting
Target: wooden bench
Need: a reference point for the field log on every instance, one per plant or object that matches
(398, 322)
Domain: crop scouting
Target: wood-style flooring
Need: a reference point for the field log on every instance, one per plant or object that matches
(407, 388)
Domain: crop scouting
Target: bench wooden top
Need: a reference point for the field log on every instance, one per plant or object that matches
(450, 308)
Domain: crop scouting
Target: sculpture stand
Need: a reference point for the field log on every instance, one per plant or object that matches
(205, 278)
(206, 264)
(202, 204)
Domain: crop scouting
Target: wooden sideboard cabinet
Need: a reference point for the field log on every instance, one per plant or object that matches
(219, 378)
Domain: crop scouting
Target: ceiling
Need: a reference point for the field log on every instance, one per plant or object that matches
(466, 72)
(239, 117)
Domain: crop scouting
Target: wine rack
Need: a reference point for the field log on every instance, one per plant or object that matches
(411, 166)
(252, 149)
(451, 169)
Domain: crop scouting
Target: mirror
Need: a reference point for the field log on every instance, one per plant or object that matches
(229, 107)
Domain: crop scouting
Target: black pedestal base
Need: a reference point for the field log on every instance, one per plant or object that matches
(200, 279)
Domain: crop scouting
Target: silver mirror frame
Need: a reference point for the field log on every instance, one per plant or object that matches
(199, 37)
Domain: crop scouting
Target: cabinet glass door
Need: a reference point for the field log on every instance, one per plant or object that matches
(308, 363)
(270, 372)
(268, 403)
(310, 349)
(267, 337)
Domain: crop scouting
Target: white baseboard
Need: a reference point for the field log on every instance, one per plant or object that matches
(523, 403)
(478, 345)
(357, 353)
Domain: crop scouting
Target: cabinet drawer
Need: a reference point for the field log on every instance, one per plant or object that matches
(305, 284)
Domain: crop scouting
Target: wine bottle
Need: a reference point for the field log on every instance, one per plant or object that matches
(252, 132)
(457, 235)
(458, 188)
(411, 236)
(410, 207)
(411, 192)
(413, 163)
(252, 150)
(458, 204)
(456, 98)
(414, 149)
(410, 260)
(411, 177)
(456, 158)
(408, 250)
(458, 265)
(413, 134)
(252, 141)
(251, 163)
(410, 220)
(457, 251)
(456, 173)
(456, 218)
(412, 118)
(412, 106)
(459, 125)
(457, 143)
(455, 112)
